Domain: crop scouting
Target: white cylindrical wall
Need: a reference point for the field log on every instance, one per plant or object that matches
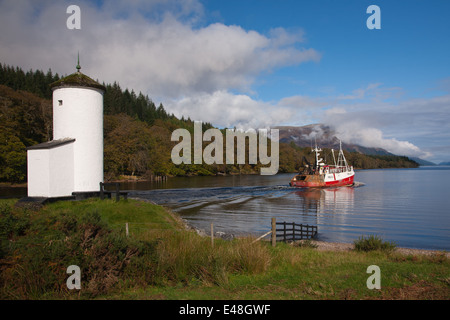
(78, 114)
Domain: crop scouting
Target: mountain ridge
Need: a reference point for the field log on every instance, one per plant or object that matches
(325, 137)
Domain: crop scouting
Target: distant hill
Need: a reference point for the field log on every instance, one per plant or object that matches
(305, 137)
(445, 163)
(423, 162)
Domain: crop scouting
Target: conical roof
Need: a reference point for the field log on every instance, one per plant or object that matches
(77, 79)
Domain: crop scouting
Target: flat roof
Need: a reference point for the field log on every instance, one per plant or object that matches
(51, 144)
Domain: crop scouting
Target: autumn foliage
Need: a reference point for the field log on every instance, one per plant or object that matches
(137, 133)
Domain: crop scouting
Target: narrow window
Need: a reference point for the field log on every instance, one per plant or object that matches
(60, 102)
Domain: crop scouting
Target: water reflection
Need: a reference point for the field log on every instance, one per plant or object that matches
(249, 209)
(321, 201)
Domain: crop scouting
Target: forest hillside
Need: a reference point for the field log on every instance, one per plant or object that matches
(137, 133)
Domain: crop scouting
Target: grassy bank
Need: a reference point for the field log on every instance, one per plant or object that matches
(161, 259)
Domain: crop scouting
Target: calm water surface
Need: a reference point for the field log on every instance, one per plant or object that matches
(407, 206)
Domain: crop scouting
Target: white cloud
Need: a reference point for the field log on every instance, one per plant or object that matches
(206, 72)
(225, 109)
(159, 48)
(166, 55)
(303, 102)
(380, 117)
(357, 133)
(398, 126)
(360, 93)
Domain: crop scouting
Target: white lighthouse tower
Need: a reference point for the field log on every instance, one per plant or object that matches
(73, 161)
(78, 114)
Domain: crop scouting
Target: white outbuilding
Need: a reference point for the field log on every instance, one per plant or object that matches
(73, 161)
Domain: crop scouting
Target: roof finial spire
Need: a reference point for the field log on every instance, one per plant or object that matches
(78, 64)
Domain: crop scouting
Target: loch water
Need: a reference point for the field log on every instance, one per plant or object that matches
(410, 207)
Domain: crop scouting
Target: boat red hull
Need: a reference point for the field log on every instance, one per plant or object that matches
(316, 182)
(321, 175)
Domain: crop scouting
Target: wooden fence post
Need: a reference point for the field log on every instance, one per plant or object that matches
(293, 231)
(274, 232)
(304, 232)
(126, 229)
(212, 235)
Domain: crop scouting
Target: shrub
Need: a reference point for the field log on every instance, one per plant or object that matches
(11, 226)
(36, 254)
(372, 243)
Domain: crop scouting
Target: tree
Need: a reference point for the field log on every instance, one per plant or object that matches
(13, 157)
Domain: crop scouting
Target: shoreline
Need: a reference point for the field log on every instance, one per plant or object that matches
(341, 246)
(222, 174)
(219, 174)
(321, 245)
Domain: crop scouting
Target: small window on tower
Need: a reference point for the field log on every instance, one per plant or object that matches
(60, 102)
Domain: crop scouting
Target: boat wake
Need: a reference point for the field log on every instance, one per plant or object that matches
(162, 196)
(358, 184)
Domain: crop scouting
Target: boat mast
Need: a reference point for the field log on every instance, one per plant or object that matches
(342, 162)
(318, 161)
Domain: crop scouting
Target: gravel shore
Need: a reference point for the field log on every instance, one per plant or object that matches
(334, 246)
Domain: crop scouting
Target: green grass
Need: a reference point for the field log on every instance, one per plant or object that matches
(160, 259)
(145, 221)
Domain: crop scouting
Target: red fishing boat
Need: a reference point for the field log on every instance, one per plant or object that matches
(322, 175)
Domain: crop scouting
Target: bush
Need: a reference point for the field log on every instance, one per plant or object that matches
(11, 226)
(372, 243)
(36, 250)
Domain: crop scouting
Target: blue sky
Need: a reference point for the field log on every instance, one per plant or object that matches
(411, 49)
(262, 63)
